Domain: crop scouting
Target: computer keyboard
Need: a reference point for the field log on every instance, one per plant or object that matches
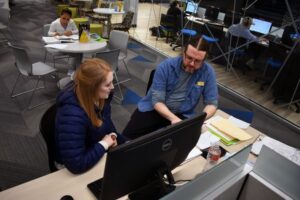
(96, 188)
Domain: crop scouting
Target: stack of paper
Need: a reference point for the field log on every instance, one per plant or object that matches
(227, 127)
(50, 40)
(289, 152)
(228, 130)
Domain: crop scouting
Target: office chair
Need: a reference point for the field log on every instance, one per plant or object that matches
(150, 80)
(47, 129)
(36, 70)
(276, 55)
(111, 57)
(246, 116)
(168, 25)
(125, 25)
(119, 40)
(212, 33)
(184, 37)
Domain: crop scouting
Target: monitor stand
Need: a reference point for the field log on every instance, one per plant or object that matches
(157, 188)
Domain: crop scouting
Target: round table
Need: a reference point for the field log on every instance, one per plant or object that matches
(77, 49)
(109, 12)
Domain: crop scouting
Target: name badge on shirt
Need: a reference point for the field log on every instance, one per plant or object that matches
(200, 83)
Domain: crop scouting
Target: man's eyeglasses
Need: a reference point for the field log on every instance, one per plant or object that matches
(191, 59)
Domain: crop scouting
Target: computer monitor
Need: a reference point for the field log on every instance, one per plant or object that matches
(276, 31)
(201, 12)
(139, 166)
(212, 13)
(260, 26)
(191, 8)
(221, 16)
(228, 19)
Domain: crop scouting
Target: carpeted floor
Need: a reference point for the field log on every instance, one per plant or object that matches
(23, 154)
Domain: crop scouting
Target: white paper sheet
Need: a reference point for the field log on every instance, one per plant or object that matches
(290, 153)
(239, 123)
(50, 40)
(71, 37)
(56, 46)
(206, 139)
(193, 153)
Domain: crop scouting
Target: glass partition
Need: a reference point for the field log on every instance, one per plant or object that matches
(248, 68)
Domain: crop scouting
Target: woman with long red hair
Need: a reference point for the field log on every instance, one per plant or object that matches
(84, 129)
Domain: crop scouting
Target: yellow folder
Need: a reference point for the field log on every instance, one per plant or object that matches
(227, 127)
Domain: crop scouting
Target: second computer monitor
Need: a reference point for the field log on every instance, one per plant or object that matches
(260, 26)
(212, 13)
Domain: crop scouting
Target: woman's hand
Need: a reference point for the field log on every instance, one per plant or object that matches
(110, 139)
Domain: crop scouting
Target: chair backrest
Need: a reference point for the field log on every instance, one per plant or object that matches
(128, 19)
(111, 57)
(47, 129)
(150, 80)
(235, 41)
(118, 40)
(216, 30)
(46, 28)
(168, 21)
(22, 60)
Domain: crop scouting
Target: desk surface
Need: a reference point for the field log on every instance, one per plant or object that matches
(55, 185)
(108, 11)
(202, 21)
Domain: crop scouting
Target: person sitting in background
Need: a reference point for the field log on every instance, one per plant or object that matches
(174, 9)
(84, 130)
(63, 25)
(242, 30)
(177, 86)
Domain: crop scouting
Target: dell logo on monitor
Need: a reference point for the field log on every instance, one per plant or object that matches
(167, 144)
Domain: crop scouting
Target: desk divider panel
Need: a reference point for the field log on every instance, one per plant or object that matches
(209, 181)
(278, 171)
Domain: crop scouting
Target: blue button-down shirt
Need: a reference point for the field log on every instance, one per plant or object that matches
(203, 82)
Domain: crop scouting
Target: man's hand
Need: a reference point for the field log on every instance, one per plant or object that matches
(210, 110)
(176, 120)
(68, 33)
(164, 111)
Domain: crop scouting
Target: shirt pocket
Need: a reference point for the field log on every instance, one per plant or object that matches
(196, 93)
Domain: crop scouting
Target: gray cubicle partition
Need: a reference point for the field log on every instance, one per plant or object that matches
(207, 184)
(278, 176)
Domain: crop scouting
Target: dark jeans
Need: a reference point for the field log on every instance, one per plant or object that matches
(142, 123)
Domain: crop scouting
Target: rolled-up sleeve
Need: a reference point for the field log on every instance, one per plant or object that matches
(159, 85)
(210, 92)
(52, 29)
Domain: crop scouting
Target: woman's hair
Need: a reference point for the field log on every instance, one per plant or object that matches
(91, 73)
(174, 3)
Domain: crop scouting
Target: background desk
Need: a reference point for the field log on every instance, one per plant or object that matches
(109, 12)
(62, 182)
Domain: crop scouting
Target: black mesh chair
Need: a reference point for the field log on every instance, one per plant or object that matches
(168, 23)
(47, 129)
